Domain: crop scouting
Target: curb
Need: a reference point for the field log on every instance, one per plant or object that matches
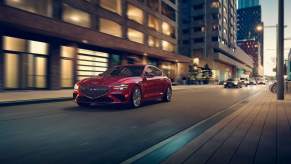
(34, 101)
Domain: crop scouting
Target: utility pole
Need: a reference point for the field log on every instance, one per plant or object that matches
(280, 52)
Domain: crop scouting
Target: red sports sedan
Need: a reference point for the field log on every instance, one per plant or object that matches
(127, 84)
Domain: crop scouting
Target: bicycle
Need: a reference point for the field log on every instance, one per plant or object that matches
(274, 87)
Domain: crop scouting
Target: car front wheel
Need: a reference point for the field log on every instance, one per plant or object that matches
(167, 97)
(136, 98)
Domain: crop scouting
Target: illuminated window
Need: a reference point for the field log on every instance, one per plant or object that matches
(135, 36)
(11, 71)
(153, 42)
(169, 30)
(75, 16)
(153, 22)
(14, 44)
(111, 5)
(40, 72)
(110, 27)
(168, 46)
(67, 54)
(37, 47)
(42, 7)
(135, 14)
(91, 63)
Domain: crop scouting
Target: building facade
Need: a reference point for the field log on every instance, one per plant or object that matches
(252, 48)
(248, 3)
(249, 38)
(207, 34)
(52, 44)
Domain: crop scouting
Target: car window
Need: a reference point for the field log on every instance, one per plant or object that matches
(157, 72)
(126, 71)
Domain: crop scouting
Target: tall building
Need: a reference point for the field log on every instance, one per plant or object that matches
(207, 33)
(252, 48)
(248, 19)
(51, 44)
(248, 3)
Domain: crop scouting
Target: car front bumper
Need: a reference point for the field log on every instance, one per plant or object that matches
(122, 97)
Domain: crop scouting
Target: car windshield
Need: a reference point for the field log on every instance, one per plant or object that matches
(125, 71)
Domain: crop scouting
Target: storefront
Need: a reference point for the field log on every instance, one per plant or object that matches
(25, 63)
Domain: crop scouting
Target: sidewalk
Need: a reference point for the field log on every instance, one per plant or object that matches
(32, 96)
(258, 132)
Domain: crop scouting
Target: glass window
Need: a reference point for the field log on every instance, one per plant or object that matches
(168, 11)
(14, 44)
(168, 29)
(42, 7)
(112, 5)
(110, 27)
(68, 52)
(153, 42)
(11, 71)
(66, 73)
(75, 16)
(153, 4)
(91, 63)
(135, 14)
(135, 36)
(168, 46)
(37, 47)
(154, 23)
(40, 75)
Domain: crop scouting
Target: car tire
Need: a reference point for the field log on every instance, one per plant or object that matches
(136, 98)
(167, 96)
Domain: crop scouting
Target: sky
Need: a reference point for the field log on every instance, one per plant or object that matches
(270, 17)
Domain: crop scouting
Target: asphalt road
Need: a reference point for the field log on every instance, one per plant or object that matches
(62, 132)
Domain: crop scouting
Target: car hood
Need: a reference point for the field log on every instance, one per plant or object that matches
(106, 80)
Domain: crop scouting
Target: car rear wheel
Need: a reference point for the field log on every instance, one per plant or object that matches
(136, 98)
(167, 97)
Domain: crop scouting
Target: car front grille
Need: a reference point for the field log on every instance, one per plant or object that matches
(94, 91)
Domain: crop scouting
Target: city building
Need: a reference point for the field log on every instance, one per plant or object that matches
(248, 36)
(248, 3)
(252, 48)
(51, 44)
(207, 34)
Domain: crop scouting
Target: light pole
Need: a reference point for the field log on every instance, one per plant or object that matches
(280, 48)
(280, 55)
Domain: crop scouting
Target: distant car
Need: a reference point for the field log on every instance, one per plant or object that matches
(245, 81)
(253, 82)
(127, 84)
(233, 83)
(261, 82)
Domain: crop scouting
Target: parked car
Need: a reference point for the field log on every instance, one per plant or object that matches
(245, 81)
(253, 82)
(261, 81)
(127, 84)
(233, 83)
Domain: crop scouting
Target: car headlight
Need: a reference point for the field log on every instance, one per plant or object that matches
(76, 87)
(120, 87)
(224, 83)
(235, 83)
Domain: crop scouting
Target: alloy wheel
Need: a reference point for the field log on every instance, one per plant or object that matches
(136, 97)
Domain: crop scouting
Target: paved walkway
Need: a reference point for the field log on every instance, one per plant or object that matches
(33, 95)
(258, 132)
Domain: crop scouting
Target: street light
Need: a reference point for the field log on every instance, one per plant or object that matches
(280, 48)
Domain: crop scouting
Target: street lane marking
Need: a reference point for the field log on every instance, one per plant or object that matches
(176, 142)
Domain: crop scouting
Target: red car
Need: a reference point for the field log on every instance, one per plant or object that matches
(127, 84)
